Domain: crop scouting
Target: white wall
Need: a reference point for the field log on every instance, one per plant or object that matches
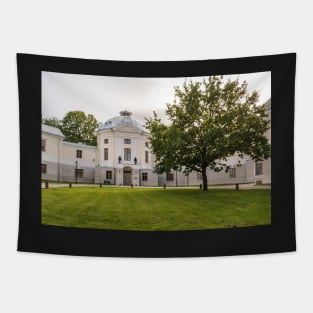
(52, 150)
(162, 30)
(51, 156)
(116, 148)
(88, 158)
(60, 157)
(265, 178)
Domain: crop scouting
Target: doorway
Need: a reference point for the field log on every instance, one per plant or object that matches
(127, 176)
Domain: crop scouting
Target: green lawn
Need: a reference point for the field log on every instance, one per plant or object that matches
(154, 208)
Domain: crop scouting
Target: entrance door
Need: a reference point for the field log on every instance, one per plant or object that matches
(127, 176)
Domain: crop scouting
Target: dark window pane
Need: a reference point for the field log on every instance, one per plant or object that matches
(258, 169)
(170, 176)
(127, 154)
(43, 168)
(79, 173)
(106, 154)
(43, 145)
(144, 176)
(232, 172)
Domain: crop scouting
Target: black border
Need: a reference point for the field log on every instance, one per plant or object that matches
(277, 237)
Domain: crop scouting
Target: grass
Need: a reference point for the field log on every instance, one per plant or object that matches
(154, 208)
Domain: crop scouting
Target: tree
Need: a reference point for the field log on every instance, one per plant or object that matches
(79, 127)
(209, 121)
(53, 121)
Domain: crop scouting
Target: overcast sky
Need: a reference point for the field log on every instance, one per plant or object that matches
(106, 96)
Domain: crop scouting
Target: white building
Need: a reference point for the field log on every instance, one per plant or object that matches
(123, 157)
(260, 172)
(60, 160)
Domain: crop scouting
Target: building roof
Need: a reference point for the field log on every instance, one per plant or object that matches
(51, 130)
(79, 145)
(122, 120)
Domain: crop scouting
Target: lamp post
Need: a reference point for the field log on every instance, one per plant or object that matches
(238, 165)
(76, 167)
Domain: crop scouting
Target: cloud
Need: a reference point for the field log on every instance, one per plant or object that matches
(106, 96)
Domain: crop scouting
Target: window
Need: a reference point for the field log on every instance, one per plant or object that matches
(43, 145)
(258, 169)
(79, 154)
(199, 176)
(147, 144)
(127, 154)
(106, 140)
(232, 172)
(169, 176)
(127, 141)
(144, 176)
(79, 173)
(106, 154)
(108, 175)
(43, 168)
(147, 156)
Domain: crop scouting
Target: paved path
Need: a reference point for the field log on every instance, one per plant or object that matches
(241, 186)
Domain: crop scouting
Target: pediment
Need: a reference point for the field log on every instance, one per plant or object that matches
(128, 128)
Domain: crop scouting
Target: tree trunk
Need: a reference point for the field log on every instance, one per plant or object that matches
(205, 179)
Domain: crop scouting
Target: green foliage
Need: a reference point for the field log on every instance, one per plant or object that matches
(209, 121)
(53, 121)
(79, 127)
(76, 126)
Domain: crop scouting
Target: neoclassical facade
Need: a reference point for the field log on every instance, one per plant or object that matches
(123, 157)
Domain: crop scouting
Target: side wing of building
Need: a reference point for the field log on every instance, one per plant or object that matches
(65, 161)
